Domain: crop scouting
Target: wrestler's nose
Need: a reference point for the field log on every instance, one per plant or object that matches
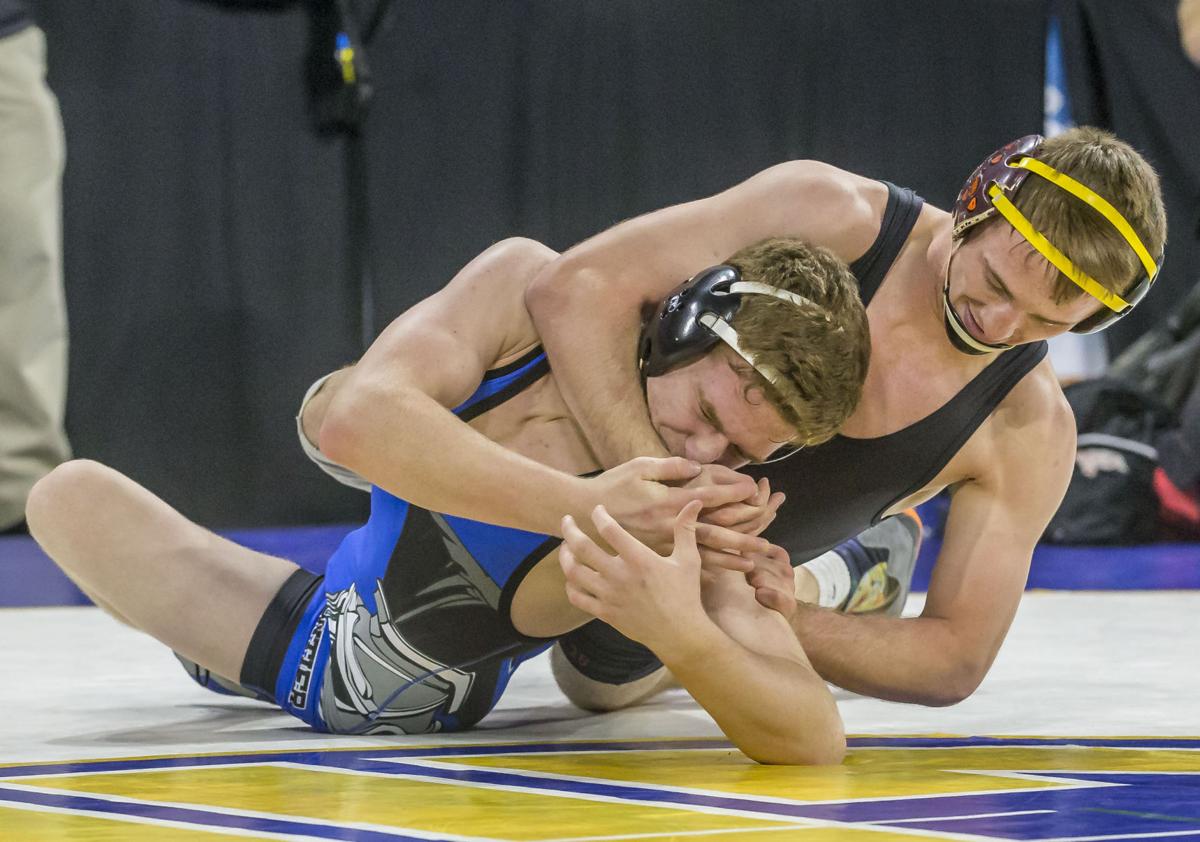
(1001, 322)
(706, 447)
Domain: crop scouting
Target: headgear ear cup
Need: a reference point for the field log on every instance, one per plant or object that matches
(973, 204)
(696, 316)
(674, 336)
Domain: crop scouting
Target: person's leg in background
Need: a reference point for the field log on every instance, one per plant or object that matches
(33, 325)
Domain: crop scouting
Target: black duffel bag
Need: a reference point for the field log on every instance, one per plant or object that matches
(1111, 498)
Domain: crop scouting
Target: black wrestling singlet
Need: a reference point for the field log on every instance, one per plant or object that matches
(836, 490)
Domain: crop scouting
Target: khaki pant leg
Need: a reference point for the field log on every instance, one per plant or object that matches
(33, 328)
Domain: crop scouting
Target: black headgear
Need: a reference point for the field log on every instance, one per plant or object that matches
(697, 315)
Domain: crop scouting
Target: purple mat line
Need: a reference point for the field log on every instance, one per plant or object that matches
(29, 578)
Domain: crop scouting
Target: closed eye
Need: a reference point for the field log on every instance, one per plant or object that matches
(999, 288)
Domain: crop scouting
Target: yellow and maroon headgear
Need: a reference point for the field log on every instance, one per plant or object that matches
(990, 190)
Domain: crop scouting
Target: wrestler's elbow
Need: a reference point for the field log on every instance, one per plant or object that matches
(555, 291)
(804, 729)
(346, 430)
(570, 291)
(335, 438)
(955, 682)
(818, 741)
(968, 675)
(800, 752)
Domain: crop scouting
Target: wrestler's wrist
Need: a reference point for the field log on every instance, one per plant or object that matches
(579, 496)
(806, 613)
(616, 445)
(685, 642)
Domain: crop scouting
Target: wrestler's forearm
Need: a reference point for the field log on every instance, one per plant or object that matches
(449, 467)
(590, 340)
(775, 709)
(917, 660)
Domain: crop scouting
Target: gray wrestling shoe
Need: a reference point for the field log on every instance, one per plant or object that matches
(212, 681)
(881, 561)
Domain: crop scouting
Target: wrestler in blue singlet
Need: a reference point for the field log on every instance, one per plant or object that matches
(409, 631)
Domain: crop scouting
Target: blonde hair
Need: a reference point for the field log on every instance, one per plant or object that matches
(820, 349)
(1115, 171)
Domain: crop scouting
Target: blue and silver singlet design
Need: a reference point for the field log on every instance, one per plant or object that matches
(410, 632)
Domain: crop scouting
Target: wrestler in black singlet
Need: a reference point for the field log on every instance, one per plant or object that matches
(845, 485)
(838, 489)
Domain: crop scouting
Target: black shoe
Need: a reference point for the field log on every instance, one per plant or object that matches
(214, 682)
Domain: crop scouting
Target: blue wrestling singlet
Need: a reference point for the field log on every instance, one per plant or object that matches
(409, 632)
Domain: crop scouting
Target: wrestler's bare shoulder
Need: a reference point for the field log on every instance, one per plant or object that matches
(1037, 398)
(1034, 420)
(1026, 448)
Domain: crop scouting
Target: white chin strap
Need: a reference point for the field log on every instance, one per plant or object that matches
(960, 330)
(775, 292)
(729, 336)
(724, 330)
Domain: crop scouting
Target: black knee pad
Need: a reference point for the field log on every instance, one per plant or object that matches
(603, 654)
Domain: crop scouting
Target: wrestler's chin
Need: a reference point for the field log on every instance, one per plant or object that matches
(973, 328)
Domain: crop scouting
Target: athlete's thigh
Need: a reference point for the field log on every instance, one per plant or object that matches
(198, 593)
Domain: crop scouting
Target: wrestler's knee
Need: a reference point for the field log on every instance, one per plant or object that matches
(65, 494)
(599, 696)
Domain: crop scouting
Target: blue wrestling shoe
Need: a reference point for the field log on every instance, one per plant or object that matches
(881, 561)
(211, 681)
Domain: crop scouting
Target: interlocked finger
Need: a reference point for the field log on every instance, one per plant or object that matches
(733, 514)
(685, 532)
(712, 559)
(583, 549)
(620, 540)
(729, 540)
(712, 496)
(580, 576)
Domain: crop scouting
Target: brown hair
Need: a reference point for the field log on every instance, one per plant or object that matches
(820, 349)
(1114, 170)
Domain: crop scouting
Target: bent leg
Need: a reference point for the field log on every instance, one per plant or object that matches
(152, 568)
(600, 696)
(599, 669)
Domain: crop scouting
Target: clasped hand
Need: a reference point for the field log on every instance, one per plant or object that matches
(645, 503)
(651, 598)
(645, 495)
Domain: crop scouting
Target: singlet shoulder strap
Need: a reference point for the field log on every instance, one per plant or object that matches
(500, 384)
(899, 217)
(955, 422)
(997, 380)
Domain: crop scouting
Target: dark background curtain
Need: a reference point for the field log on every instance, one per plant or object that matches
(207, 248)
(1126, 72)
